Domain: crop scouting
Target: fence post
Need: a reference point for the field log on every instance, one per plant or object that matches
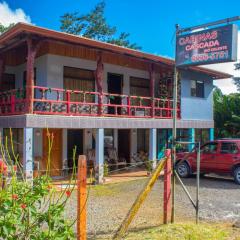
(167, 187)
(82, 198)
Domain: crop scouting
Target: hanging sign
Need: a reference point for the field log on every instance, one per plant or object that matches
(209, 46)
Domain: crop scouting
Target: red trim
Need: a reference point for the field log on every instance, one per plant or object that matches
(57, 101)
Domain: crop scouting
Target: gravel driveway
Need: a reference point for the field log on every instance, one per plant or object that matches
(108, 204)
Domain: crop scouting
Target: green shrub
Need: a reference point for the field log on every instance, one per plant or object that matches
(32, 210)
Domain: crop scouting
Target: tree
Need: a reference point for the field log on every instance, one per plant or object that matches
(94, 25)
(236, 80)
(226, 114)
(5, 28)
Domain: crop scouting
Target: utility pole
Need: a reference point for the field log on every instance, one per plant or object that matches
(174, 129)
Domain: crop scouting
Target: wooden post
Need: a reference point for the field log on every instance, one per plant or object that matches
(99, 81)
(82, 198)
(167, 187)
(2, 69)
(139, 201)
(31, 54)
(152, 87)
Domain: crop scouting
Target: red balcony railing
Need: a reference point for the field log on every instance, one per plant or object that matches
(13, 102)
(54, 101)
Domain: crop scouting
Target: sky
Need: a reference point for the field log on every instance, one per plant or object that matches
(151, 23)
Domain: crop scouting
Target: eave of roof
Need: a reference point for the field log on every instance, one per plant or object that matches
(47, 33)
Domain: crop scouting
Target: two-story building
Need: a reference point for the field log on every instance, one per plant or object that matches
(94, 95)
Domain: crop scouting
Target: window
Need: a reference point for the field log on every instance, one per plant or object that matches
(197, 88)
(209, 148)
(81, 80)
(229, 147)
(139, 87)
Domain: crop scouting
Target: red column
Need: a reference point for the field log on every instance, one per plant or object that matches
(2, 68)
(152, 87)
(32, 51)
(99, 81)
(167, 187)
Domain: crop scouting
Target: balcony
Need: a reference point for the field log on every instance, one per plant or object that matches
(54, 101)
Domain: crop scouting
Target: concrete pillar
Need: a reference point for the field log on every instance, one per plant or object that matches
(211, 134)
(64, 149)
(99, 155)
(115, 140)
(191, 134)
(133, 143)
(28, 153)
(153, 146)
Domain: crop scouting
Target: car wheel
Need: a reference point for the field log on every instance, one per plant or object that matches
(236, 175)
(183, 169)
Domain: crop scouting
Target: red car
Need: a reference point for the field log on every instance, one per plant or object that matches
(219, 156)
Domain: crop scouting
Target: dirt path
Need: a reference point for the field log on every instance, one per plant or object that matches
(108, 204)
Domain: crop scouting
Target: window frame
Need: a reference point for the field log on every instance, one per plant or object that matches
(233, 143)
(199, 93)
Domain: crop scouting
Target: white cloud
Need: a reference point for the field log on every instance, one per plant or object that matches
(226, 85)
(8, 15)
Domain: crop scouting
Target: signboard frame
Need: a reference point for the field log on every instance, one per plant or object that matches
(209, 46)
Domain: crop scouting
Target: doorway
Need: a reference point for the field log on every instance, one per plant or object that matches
(115, 84)
(74, 138)
(56, 152)
(124, 144)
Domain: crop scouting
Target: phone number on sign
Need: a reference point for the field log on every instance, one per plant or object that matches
(210, 56)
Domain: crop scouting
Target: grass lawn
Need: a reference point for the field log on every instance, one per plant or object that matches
(186, 231)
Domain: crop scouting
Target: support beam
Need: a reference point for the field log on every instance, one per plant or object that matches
(211, 134)
(152, 87)
(99, 155)
(31, 54)
(99, 81)
(191, 134)
(28, 153)
(153, 146)
(2, 69)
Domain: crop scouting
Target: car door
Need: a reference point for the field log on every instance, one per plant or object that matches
(229, 154)
(209, 152)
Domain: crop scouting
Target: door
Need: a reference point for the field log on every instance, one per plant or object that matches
(74, 138)
(209, 152)
(56, 152)
(124, 144)
(115, 83)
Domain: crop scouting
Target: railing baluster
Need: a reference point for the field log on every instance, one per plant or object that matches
(129, 106)
(12, 102)
(68, 97)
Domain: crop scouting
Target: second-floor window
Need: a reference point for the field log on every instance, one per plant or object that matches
(197, 88)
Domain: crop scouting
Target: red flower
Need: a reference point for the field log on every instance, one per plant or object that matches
(5, 168)
(23, 205)
(14, 168)
(14, 196)
(68, 193)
